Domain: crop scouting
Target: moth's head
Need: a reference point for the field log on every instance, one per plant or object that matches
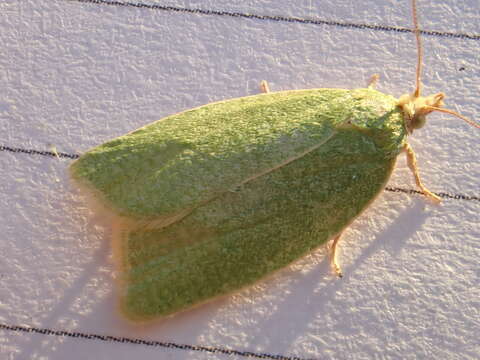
(415, 109)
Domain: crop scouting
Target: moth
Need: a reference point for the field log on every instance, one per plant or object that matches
(210, 200)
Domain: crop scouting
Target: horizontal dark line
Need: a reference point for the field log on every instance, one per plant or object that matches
(136, 341)
(443, 195)
(38, 152)
(279, 18)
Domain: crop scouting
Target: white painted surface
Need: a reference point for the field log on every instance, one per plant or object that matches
(73, 75)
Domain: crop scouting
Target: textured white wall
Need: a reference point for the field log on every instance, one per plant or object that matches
(73, 75)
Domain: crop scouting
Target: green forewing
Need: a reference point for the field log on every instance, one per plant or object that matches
(184, 159)
(341, 144)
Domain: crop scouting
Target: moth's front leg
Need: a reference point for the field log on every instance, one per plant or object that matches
(412, 164)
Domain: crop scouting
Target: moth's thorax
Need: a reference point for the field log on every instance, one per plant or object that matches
(378, 116)
(416, 108)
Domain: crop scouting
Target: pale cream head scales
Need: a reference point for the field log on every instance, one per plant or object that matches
(415, 109)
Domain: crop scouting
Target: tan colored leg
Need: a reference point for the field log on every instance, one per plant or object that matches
(333, 256)
(372, 84)
(412, 164)
(264, 88)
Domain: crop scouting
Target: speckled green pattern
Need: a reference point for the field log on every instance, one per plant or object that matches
(183, 159)
(344, 145)
(245, 235)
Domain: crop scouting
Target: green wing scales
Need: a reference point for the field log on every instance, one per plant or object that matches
(242, 236)
(266, 179)
(185, 159)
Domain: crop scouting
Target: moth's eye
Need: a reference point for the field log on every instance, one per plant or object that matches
(418, 121)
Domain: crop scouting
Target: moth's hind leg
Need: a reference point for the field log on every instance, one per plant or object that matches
(333, 256)
(264, 88)
(412, 164)
(372, 83)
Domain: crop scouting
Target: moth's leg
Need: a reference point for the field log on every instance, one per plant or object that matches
(372, 83)
(333, 256)
(264, 88)
(412, 164)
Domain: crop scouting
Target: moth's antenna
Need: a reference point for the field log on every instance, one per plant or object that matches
(451, 112)
(419, 49)
(416, 107)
